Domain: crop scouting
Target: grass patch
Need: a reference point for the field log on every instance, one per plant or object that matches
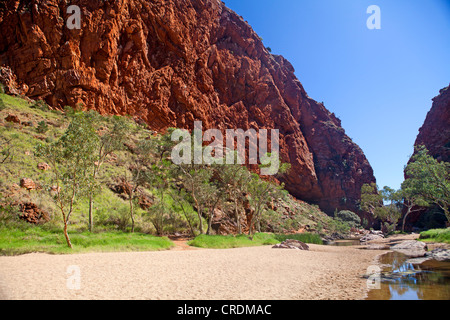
(21, 239)
(436, 235)
(240, 241)
(313, 238)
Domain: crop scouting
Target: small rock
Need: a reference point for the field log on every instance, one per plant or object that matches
(12, 118)
(27, 184)
(291, 244)
(417, 261)
(43, 166)
(55, 189)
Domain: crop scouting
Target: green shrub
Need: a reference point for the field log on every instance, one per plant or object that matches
(303, 237)
(41, 105)
(8, 214)
(42, 127)
(348, 217)
(2, 104)
(259, 239)
(338, 226)
(436, 235)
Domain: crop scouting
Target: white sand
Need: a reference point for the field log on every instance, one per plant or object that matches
(260, 273)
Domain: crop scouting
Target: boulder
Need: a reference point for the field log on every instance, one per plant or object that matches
(291, 244)
(371, 237)
(411, 248)
(27, 184)
(32, 214)
(439, 254)
(442, 255)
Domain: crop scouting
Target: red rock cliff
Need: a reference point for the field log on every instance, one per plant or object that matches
(171, 62)
(435, 132)
(435, 136)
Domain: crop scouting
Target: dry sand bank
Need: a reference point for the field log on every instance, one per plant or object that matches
(260, 273)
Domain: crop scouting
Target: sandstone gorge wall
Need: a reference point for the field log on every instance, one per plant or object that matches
(171, 62)
(435, 136)
(435, 132)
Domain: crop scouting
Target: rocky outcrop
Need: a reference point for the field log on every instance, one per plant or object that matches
(31, 213)
(169, 63)
(440, 254)
(292, 244)
(411, 248)
(373, 235)
(435, 132)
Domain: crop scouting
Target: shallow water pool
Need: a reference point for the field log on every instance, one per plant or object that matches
(401, 280)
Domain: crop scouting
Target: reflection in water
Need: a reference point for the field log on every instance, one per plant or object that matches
(404, 281)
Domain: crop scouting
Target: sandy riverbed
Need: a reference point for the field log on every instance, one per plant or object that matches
(260, 273)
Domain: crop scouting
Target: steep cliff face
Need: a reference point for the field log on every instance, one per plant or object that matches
(435, 136)
(170, 63)
(435, 132)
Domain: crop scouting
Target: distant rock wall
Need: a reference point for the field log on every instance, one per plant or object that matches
(435, 136)
(435, 132)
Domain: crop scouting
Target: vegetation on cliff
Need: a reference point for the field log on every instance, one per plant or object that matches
(77, 171)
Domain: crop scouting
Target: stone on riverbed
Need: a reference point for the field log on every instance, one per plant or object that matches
(291, 244)
(439, 254)
(411, 248)
(442, 255)
(373, 235)
(377, 247)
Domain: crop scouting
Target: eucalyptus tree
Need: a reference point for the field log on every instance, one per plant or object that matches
(141, 163)
(158, 176)
(428, 181)
(71, 158)
(261, 194)
(180, 197)
(234, 179)
(382, 204)
(111, 139)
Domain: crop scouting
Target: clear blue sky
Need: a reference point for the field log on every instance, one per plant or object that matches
(378, 82)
